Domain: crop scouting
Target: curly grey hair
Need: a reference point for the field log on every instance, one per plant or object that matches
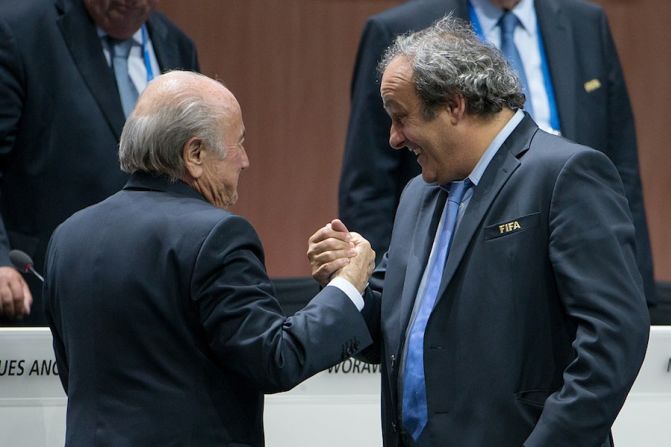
(449, 59)
(152, 140)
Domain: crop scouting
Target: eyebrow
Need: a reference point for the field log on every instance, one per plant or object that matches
(389, 104)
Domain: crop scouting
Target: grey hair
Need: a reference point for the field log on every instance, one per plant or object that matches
(152, 141)
(449, 59)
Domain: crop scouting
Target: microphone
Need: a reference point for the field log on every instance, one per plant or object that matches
(23, 263)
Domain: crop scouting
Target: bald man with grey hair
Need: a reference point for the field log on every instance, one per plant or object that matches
(165, 326)
(156, 132)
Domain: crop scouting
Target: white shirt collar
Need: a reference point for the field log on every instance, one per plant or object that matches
(137, 37)
(494, 147)
(489, 15)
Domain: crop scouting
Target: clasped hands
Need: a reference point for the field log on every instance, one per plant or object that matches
(334, 251)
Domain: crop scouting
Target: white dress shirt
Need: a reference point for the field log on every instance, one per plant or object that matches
(136, 64)
(526, 39)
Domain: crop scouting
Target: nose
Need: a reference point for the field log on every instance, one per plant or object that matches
(245, 159)
(396, 137)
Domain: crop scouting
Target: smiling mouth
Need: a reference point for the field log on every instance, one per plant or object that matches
(415, 150)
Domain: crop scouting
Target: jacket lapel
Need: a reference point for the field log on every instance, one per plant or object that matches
(432, 203)
(166, 55)
(80, 36)
(555, 28)
(504, 163)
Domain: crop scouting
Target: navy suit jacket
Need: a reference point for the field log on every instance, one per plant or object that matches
(166, 329)
(579, 48)
(60, 119)
(539, 328)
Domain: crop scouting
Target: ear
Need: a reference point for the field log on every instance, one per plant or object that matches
(193, 154)
(456, 108)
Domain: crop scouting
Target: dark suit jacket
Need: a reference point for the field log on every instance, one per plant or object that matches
(60, 119)
(165, 327)
(538, 331)
(579, 47)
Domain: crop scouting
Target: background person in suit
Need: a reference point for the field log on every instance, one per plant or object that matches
(166, 331)
(575, 86)
(510, 312)
(61, 115)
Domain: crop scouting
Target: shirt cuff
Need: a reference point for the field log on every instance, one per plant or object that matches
(349, 290)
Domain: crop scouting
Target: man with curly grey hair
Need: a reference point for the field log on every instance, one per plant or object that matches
(509, 308)
(574, 87)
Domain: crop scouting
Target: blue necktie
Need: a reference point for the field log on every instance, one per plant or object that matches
(119, 51)
(508, 23)
(415, 411)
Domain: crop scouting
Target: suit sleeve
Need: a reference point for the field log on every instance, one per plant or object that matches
(372, 313)
(593, 257)
(244, 323)
(11, 105)
(373, 175)
(622, 150)
(54, 321)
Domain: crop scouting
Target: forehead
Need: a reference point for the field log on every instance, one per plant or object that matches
(231, 114)
(397, 82)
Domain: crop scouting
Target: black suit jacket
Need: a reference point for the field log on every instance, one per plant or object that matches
(60, 119)
(579, 48)
(539, 328)
(166, 331)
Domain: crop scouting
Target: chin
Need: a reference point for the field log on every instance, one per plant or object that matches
(429, 177)
(121, 33)
(229, 201)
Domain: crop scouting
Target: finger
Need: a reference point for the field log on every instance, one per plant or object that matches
(324, 273)
(318, 235)
(358, 239)
(316, 251)
(16, 289)
(329, 244)
(332, 255)
(327, 232)
(338, 225)
(27, 299)
(7, 301)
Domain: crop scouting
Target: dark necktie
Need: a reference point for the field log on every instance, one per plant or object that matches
(508, 23)
(119, 51)
(415, 411)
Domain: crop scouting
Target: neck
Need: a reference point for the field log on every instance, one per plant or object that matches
(482, 132)
(505, 4)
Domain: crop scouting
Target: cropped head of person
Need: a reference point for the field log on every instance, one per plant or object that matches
(436, 84)
(120, 18)
(188, 127)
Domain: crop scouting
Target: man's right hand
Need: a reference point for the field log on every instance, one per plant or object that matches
(334, 251)
(361, 266)
(15, 296)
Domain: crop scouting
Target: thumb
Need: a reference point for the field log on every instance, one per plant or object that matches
(337, 225)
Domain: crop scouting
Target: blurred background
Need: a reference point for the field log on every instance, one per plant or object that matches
(289, 63)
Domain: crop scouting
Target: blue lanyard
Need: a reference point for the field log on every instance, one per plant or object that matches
(549, 88)
(145, 55)
(475, 22)
(545, 68)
